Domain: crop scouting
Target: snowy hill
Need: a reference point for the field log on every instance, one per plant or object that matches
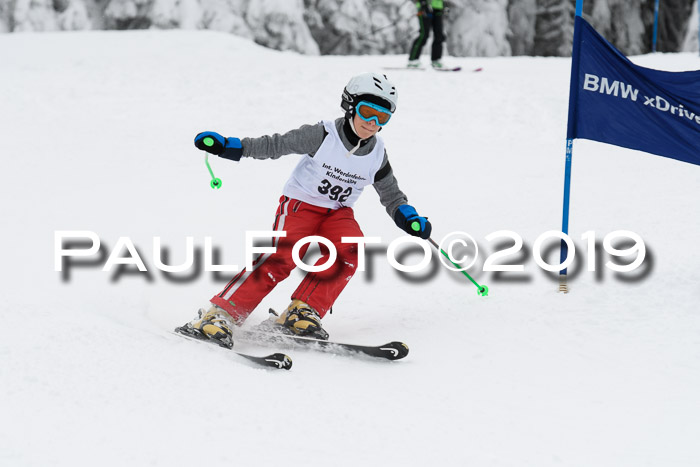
(98, 131)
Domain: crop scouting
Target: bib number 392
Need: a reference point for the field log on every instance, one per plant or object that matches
(334, 192)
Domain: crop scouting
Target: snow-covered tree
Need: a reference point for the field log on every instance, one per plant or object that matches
(73, 15)
(361, 26)
(34, 15)
(225, 16)
(473, 27)
(6, 16)
(171, 14)
(690, 42)
(608, 17)
(674, 18)
(554, 28)
(522, 15)
(478, 28)
(279, 24)
(128, 14)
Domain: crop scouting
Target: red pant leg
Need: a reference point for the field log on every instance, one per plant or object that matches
(321, 289)
(248, 288)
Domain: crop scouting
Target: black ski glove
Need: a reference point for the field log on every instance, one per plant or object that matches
(408, 220)
(214, 143)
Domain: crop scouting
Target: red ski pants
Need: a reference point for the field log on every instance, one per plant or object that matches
(319, 289)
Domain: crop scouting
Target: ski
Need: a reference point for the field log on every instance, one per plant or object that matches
(390, 351)
(275, 360)
(408, 68)
(455, 68)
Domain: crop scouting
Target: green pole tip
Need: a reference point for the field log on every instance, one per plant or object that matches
(415, 226)
(208, 141)
(483, 291)
(216, 183)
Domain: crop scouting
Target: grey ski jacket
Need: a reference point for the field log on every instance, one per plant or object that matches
(308, 138)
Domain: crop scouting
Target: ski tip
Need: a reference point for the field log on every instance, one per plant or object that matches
(478, 69)
(280, 361)
(395, 350)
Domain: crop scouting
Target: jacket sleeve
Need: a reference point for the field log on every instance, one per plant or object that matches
(390, 195)
(304, 140)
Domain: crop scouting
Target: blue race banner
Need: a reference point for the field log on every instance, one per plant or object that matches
(614, 101)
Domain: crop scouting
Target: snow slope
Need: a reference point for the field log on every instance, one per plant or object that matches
(97, 136)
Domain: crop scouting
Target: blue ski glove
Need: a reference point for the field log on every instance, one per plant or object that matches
(408, 219)
(214, 143)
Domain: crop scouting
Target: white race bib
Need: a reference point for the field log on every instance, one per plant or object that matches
(333, 178)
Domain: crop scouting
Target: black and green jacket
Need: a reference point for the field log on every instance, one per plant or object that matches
(433, 4)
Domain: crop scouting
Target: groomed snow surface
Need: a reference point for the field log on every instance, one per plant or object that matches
(97, 136)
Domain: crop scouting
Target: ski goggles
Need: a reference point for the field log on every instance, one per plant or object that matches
(368, 112)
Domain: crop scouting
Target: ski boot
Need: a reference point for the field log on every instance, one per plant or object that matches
(215, 324)
(413, 64)
(298, 319)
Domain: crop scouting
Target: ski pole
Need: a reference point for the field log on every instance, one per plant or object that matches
(215, 182)
(482, 289)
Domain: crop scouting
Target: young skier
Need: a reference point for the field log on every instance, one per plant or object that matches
(430, 16)
(339, 159)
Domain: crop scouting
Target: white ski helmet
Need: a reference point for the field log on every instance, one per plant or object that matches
(371, 87)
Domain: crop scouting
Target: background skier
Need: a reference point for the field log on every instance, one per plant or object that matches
(430, 16)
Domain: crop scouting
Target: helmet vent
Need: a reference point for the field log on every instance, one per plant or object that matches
(373, 87)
